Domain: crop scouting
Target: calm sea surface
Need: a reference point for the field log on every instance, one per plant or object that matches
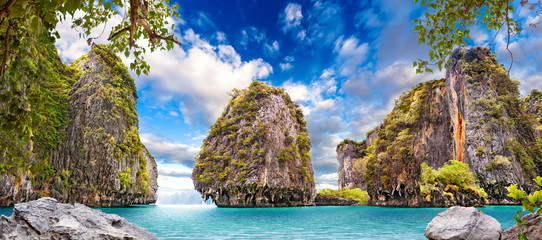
(206, 222)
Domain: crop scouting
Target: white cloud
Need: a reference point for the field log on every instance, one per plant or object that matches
(351, 54)
(200, 78)
(297, 92)
(180, 171)
(166, 150)
(326, 104)
(173, 113)
(70, 46)
(368, 18)
(186, 197)
(291, 17)
(285, 66)
(271, 49)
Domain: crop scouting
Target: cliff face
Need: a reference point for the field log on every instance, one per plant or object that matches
(349, 153)
(488, 123)
(474, 116)
(89, 151)
(257, 153)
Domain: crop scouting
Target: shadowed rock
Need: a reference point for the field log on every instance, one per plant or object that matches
(532, 229)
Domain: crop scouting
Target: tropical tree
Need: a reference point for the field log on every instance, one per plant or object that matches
(28, 26)
(446, 25)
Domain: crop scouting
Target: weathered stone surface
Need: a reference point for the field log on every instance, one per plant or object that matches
(532, 229)
(103, 137)
(463, 223)
(483, 122)
(348, 153)
(474, 115)
(90, 152)
(257, 153)
(47, 219)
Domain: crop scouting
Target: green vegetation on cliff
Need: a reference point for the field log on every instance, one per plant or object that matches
(244, 133)
(48, 100)
(395, 141)
(455, 175)
(82, 115)
(346, 193)
(259, 140)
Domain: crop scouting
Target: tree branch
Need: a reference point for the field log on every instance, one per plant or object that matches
(5, 10)
(508, 40)
(114, 35)
(6, 50)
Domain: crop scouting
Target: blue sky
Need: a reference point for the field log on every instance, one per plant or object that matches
(343, 61)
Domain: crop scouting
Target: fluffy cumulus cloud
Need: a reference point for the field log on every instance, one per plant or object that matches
(291, 17)
(169, 151)
(200, 78)
(351, 53)
(196, 77)
(70, 46)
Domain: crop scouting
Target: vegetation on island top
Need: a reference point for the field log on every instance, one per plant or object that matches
(346, 193)
(235, 140)
(49, 117)
(28, 27)
(455, 174)
(395, 140)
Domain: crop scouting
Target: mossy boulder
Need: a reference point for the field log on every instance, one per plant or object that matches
(257, 154)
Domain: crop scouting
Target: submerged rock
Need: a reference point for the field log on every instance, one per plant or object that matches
(257, 153)
(47, 219)
(532, 229)
(463, 223)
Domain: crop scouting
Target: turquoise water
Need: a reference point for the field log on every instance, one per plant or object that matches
(360, 222)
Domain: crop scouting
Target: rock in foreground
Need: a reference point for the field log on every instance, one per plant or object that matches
(532, 229)
(47, 219)
(463, 223)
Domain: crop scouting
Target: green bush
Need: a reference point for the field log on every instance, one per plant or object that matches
(346, 193)
(530, 203)
(498, 162)
(454, 173)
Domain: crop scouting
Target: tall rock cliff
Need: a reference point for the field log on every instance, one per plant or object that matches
(350, 152)
(474, 116)
(86, 147)
(257, 153)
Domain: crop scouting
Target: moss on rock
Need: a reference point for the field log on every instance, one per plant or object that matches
(260, 138)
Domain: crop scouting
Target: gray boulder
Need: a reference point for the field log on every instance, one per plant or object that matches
(462, 223)
(532, 229)
(47, 219)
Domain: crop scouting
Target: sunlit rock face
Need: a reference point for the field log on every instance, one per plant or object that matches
(89, 152)
(257, 154)
(474, 115)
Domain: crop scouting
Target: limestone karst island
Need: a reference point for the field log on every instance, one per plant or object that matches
(321, 119)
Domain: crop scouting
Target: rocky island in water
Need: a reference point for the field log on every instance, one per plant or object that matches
(85, 146)
(257, 154)
(474, 116)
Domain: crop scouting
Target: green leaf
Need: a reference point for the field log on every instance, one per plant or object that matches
(538, 180)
